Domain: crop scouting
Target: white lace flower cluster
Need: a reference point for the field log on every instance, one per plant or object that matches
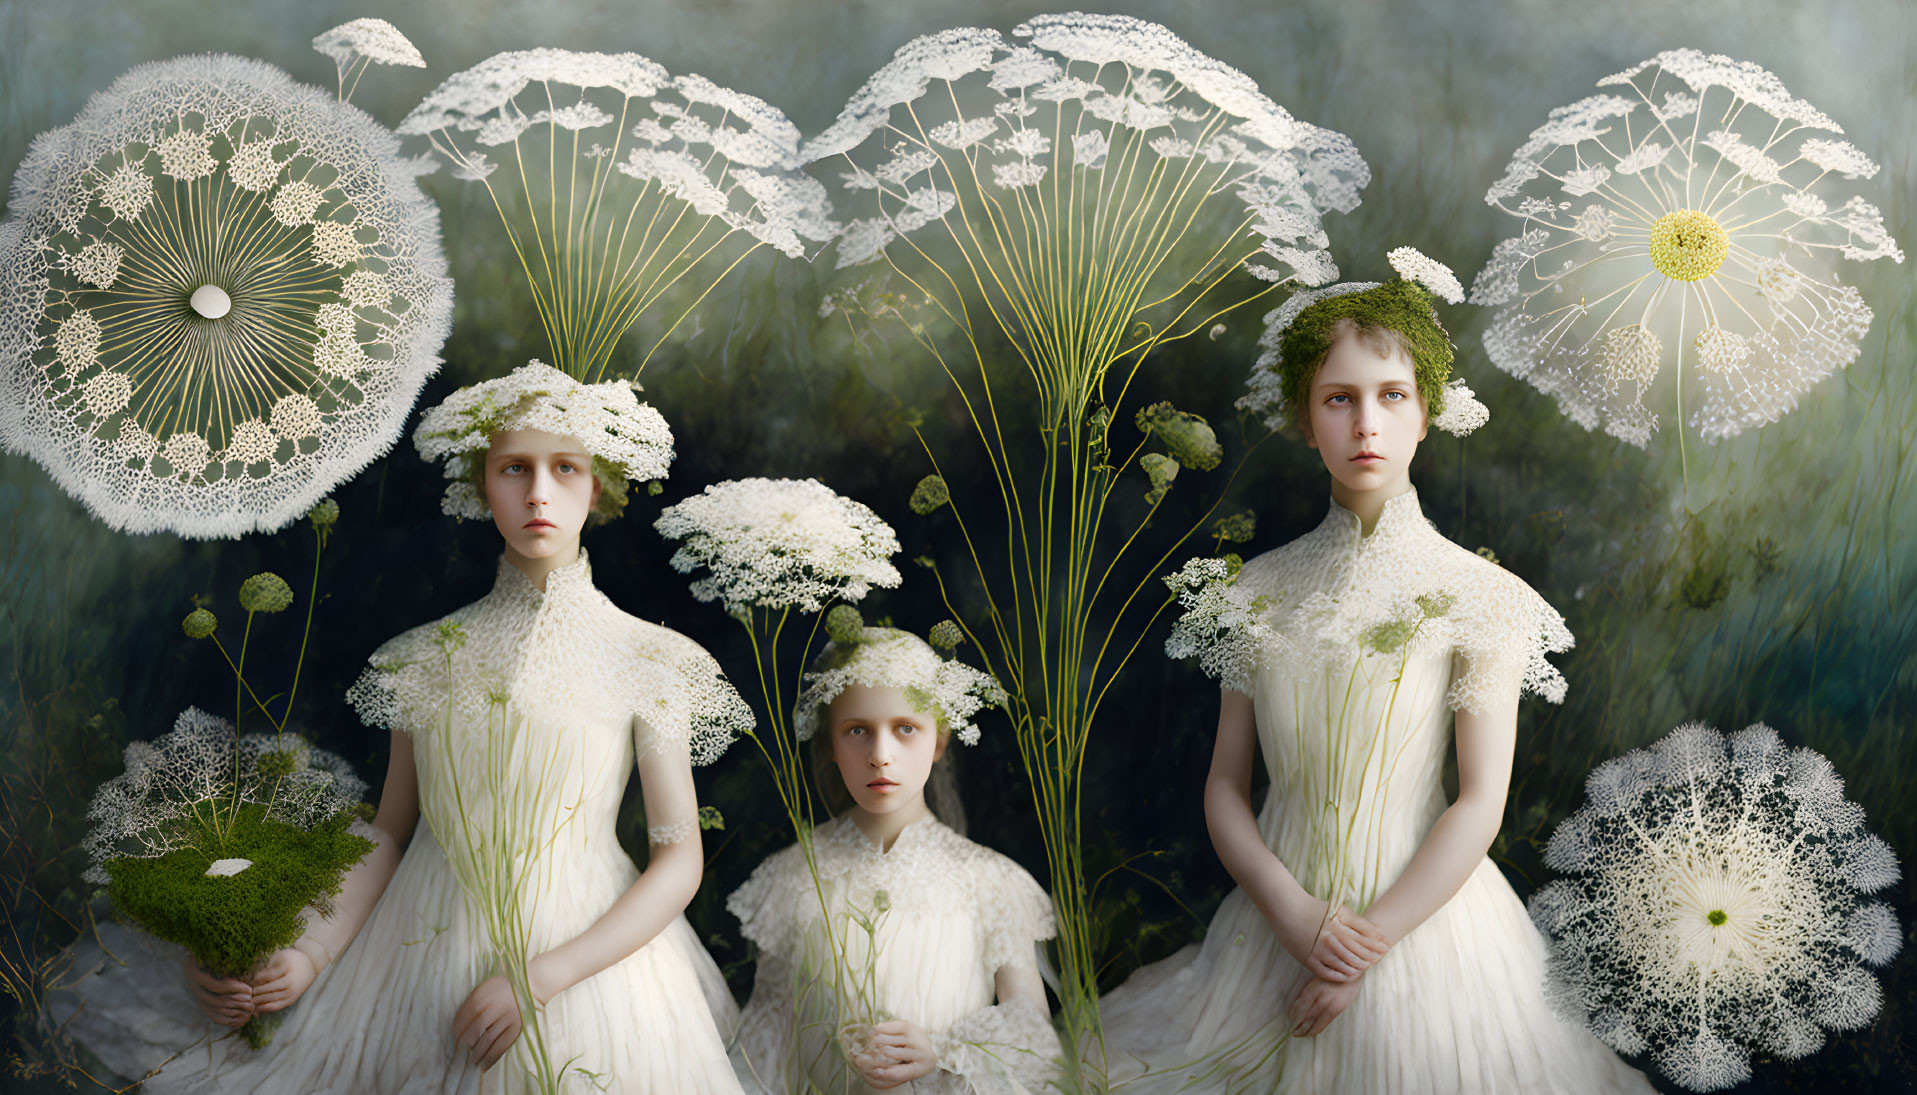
(1223, 624)
(1083, 94)
(1463, 411)
(148, 810)
(627, 439)
(374, 41)
(886, 657)
(1715, 904)
(723, 153)
(779, 543)
(220, 293)
(1681, 221)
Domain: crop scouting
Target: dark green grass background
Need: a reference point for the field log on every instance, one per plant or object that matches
(1779, 589)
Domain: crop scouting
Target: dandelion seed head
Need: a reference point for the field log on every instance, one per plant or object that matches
(190, 451)
(1689, 236)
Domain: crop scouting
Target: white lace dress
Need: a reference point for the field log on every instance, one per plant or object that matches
(523, 708)
(924, 928)
(1378, 639)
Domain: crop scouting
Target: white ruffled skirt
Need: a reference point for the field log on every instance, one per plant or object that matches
(1457, 1006)
(379, 1019)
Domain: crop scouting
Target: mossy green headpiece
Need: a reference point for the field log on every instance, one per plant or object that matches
(1299, 332)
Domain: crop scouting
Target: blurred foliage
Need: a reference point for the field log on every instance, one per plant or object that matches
(1782, 587)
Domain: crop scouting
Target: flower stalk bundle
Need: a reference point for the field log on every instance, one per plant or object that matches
(1080, 192)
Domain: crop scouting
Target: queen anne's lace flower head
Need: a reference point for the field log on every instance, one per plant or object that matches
(142, 812)
(1078, 95)
(1222, 625)
(220, 293)
(373, 40)
(627, 440)
(779, 543)
(1682, 220)
(1298, 334)
(885, 657)
(725, 153)
(1714, 904)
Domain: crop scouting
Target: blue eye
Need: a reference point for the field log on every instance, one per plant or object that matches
(1339, 396)
(1394, 396)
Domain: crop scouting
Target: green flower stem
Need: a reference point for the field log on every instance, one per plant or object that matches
(258, 704)
(312, 599)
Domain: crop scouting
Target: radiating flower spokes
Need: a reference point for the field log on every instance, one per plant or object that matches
(1680, 221)
(646, 178)
(219, 293)
(1074, 176)
(1715, 903)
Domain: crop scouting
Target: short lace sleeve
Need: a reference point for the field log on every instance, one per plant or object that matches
(1503, 631)
(682, 699)
(1015, 910)
(403, 687)
(771, 905)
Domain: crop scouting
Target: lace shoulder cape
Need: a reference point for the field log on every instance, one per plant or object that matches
(1333, 590)
(590, 661)
(928, 868)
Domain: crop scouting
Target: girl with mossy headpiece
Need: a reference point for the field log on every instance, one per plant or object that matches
(908, 962)
(498, 927)
(1371, 946)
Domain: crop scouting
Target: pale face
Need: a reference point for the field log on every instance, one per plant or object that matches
(884, 748)
(540, 487)
(1366, 419)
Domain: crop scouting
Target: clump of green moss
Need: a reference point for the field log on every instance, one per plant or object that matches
(1401, 306)
(230, 923)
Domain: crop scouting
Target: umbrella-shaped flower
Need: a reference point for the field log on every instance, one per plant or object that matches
(1070, 169)
(779, 544)
(220, 293)
(1716, 904)
(359, 44)
(1684, 220)
(638, 181)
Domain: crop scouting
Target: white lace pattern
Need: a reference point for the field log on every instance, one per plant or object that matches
(1333, 589)
(947, 915)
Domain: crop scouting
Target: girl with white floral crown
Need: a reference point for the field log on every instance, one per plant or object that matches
(1371, 946)
(516, 721)
(903, 956)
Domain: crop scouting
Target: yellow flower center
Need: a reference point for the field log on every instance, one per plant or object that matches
(1688, 245)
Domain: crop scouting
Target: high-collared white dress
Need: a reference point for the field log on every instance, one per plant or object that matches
(923, 928)
(523, 709)
(1376, 641)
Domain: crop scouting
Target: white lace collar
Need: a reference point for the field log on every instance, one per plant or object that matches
(846, 833)
(1401, 517)
(567, 583)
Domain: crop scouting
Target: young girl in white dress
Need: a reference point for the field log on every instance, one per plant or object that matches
(902, 957)
(516, 722)
(1371, 946)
